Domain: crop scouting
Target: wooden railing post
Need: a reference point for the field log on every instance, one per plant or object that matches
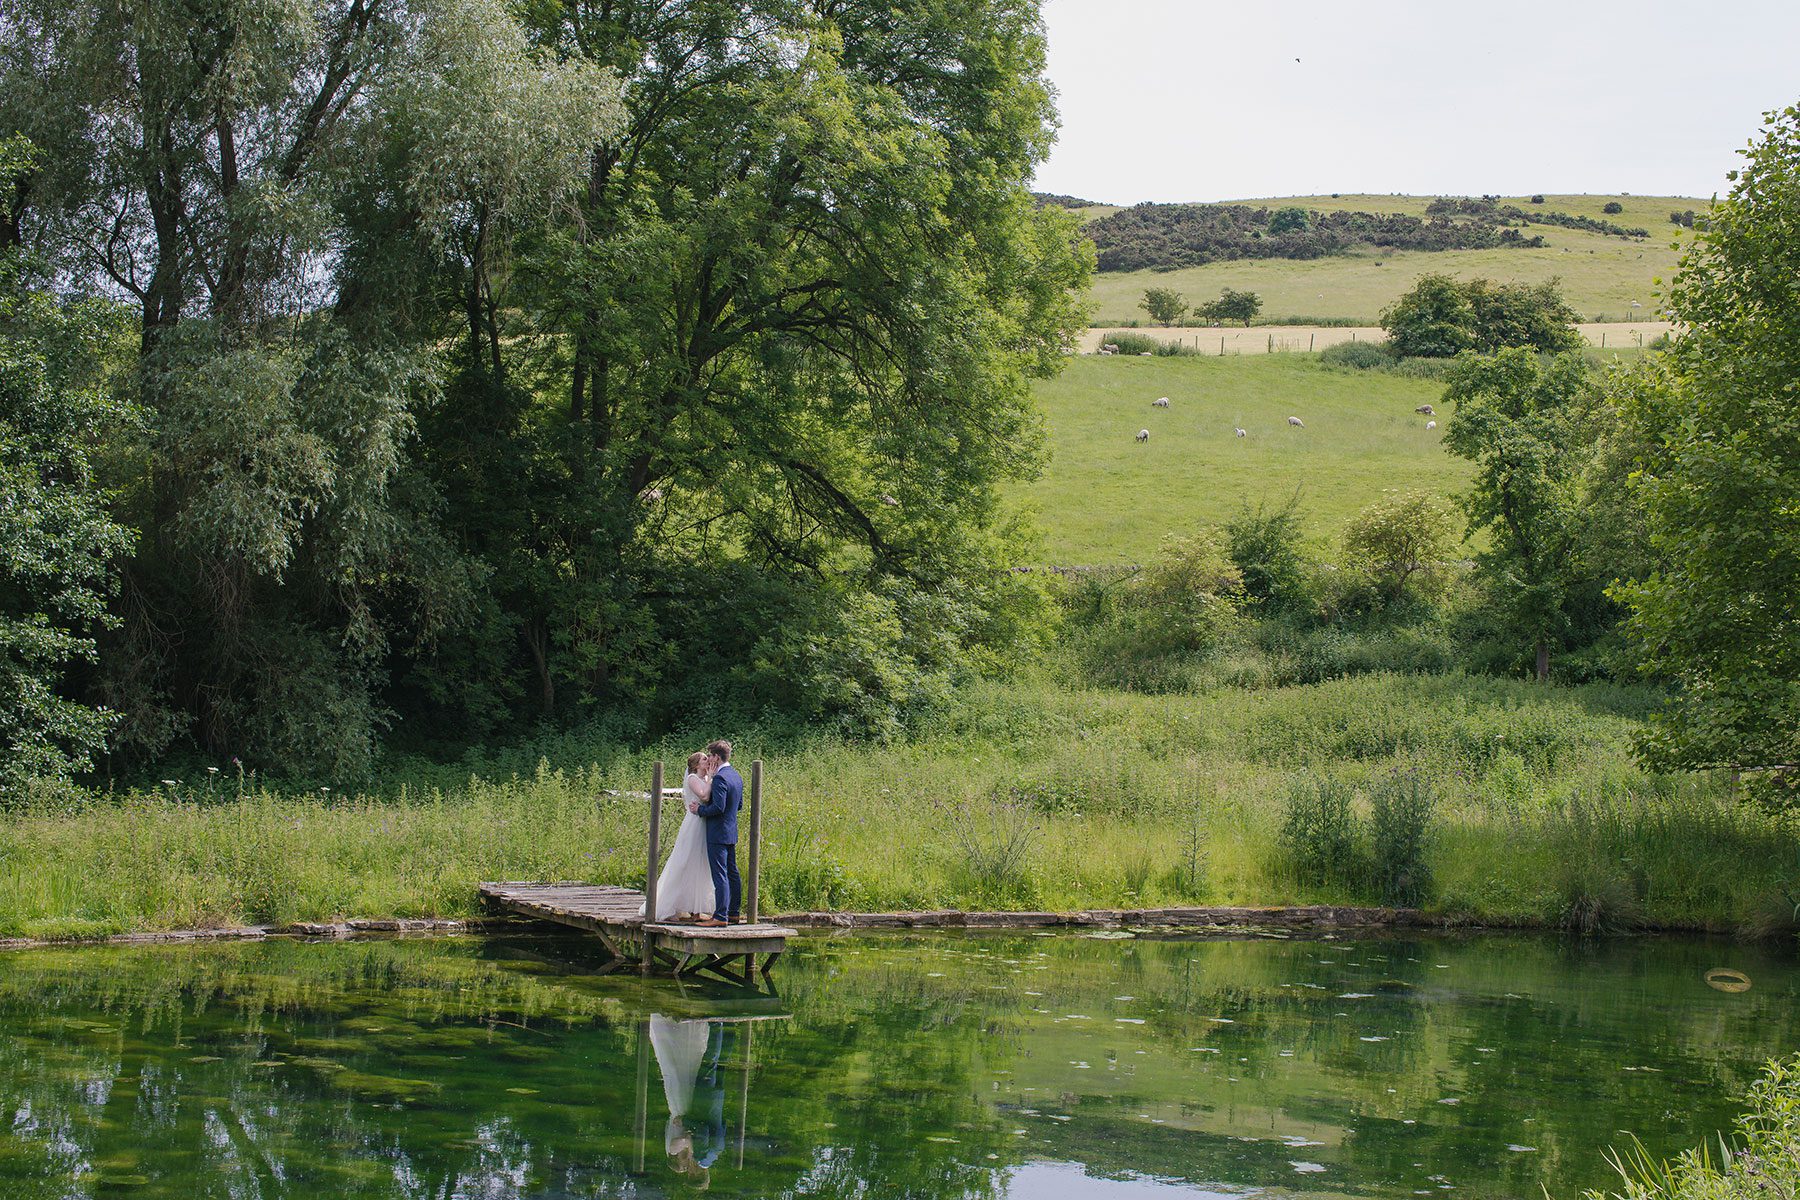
(753, 889)
(656, 780)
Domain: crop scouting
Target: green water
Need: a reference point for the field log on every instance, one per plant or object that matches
(920, 1066)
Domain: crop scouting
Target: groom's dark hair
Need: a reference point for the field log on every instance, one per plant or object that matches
(722, 748)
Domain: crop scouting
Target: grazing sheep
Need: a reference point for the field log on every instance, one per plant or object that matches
(889, 501)
(1143, 435)
(1162, 403)
(1431, 424)
(1240, 433)
(1108, 348)
(1297, 422)
(1426, 409)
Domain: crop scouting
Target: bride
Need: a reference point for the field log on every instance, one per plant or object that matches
(685, 887)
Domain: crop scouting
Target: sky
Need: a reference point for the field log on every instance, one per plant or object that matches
(1195, 100)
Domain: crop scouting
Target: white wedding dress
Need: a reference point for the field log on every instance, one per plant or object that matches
(680, 1049)
(685, 887)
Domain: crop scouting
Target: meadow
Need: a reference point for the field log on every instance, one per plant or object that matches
(1600, 275)
(1024, 794)
(1107, 499)
(1041, 790)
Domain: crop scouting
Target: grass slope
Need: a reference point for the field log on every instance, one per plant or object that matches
(1105, 498)
(1600, 275)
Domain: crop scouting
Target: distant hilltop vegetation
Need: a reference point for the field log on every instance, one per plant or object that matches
(1168, 237)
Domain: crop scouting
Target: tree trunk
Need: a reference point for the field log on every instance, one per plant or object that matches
(1543, 661)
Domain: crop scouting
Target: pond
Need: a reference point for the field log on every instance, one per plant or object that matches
(998, 1065)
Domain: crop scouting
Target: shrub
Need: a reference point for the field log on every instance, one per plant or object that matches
(1144, 343)
(1400, 542)
(991, 847)
(1539, 199)
(1441, 317)
(1265, 548)
(1357, 356)
(1318, 834)
(1399, 827)
(1612, 207)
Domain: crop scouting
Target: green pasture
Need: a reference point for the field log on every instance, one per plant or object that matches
(1106, 498)
(1600, 275)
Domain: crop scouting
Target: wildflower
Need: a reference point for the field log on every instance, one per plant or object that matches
(212, 770)
(170, 782)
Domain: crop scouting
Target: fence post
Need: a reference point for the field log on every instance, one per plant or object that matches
(753, 889)
(656, 783)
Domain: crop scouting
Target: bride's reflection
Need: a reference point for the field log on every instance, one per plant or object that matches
(691, 1055)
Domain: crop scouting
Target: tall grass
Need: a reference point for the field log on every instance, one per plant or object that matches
(1020, 794)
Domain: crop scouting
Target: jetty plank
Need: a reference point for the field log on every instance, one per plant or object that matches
(616, 916)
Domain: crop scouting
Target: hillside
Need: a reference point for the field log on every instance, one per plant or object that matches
(1601, 274)
(1105, 498)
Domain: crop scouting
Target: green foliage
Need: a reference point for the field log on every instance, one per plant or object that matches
(1291, 219)
(1319, 840)
(1718, 462)
(498, 364)
(1150, 629)
(1165, 305)
(1436, 319)
(1266, 549)
(1232, 305)
(59, 542)
(1441, 317)
(1612, 208)
(1357, 356)
(1143, 343)
(1524, 422)
(1400, 813)
(1400, 543)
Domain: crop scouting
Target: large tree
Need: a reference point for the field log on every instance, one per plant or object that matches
(206, 158)
(792, 320)
(1522, 421)
(1719, 613)
(59, 544)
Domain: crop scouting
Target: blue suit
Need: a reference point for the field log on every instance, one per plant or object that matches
(720, 813)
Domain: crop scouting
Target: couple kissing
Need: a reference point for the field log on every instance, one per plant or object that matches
(700, 884)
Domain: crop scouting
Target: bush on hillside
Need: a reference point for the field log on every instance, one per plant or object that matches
(1357, 356)
(1441, 317)
(1612, 208)
(1266, 549)
(1144, 343)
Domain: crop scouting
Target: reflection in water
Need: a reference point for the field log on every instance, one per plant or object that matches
(923, 1066)
(691, 1055)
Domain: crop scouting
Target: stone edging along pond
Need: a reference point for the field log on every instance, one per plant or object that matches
(1215, 919)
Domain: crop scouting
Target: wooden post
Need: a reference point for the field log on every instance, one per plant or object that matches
(1310, 339)
(643, 1090)
(655, 857)
(753, 889)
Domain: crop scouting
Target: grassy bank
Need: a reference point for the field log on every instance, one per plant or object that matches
(1023, 795)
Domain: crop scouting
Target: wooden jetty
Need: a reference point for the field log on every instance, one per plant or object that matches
(616, 914)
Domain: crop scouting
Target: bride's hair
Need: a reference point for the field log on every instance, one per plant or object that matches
(694, 761)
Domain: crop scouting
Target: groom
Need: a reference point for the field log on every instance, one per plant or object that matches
(720, 813)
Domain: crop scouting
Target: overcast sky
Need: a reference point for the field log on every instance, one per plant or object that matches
(1175, 100)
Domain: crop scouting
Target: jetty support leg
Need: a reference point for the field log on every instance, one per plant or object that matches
(753, 891)
(655, 861)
